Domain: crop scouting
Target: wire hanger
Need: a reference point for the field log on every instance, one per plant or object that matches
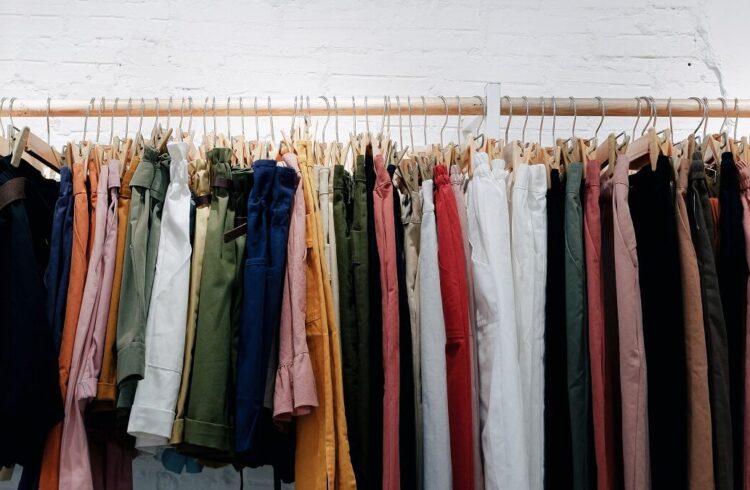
(445, 122)
(424, 126)
(510, 114)
(525, 121)
(411, 128)
(477, 134)
(336, 119)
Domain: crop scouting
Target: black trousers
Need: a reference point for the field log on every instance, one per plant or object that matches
(31, 402)
(732, 268)
(651, 201)
(699, 214)
(558, 445)
(406, 428)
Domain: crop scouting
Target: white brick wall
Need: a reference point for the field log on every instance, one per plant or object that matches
(85, 48)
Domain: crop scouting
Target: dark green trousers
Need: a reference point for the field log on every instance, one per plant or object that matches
(208, 426)
(579, 375)
(148, 190)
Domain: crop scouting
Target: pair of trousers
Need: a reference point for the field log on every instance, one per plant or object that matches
(406, 427)
(268, 211)
(200, 185)
(529, 243)
(153, 409)
(385, 236)
(601, 403)
(148, 188)
(733, 274)
(342, 216)
(652, 210)
(633, 380)
(295, 390)
(558, 445)
(717, 350)
(700, 462)
(436, 445)
(579, 372)
(208, 423)
(58, 271)
(613, 402)
(457, 185)
(373, 380)
(410, 205)
(107, 386)
(322, 453)
(75, 470)
(454, 294)
(31, 403)
(365, 411)
(50, 470)
(501, 411)
(744, 178)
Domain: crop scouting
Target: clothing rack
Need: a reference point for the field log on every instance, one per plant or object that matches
(373, 106)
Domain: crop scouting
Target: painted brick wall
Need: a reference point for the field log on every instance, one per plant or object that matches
(134, 48)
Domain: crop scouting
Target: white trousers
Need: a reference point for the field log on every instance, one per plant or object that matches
(500, 399)
(436, 442)
(153, 409)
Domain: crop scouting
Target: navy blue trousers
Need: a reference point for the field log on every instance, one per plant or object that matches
(268, 210)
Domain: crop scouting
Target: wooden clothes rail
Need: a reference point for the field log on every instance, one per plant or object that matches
(375, 106)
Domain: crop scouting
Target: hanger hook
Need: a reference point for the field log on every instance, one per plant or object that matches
(354, 115)
(213, 113)
(445, 104)
(510, 114)
(650, 113)
(229, 127)
(388, 118)
(411, 128)
(190, 114)
(400, 127)
(484, 113)
(541, 121)
(169, 111)
(182, 115)
(726, 113)
(525, 121)
(601, 121)
(242, 117)
(336, 117)
(575, 114)
(156, 121)
(458, 126)
(111, 122)
(328, 116)
(48, 103)
(127, 116)
(294, 117)
(367, 118)
(143, 111)
(669, 111)
(705, 119)
(736, 117)
(385, 110)
(257, 127)
(270, 120)
(638, 118)
(424, 127)
(554, 119)
(85, 121)
(2, 103)
(703, 113)
(205, 111)
(99, 118)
